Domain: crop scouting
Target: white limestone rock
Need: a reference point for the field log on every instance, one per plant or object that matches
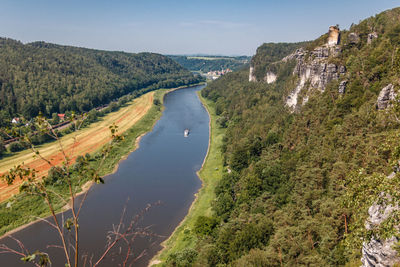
(252, 77)
(386, 95)
(270, 77)
(315, 70)
(379, 253)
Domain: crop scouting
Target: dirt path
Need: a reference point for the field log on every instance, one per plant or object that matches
(88, 140)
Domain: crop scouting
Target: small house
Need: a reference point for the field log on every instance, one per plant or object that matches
(61, 116)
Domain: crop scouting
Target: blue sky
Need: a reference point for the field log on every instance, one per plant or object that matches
(179, 27)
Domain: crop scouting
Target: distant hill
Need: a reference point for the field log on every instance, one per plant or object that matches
(205, 63)
(45, 78)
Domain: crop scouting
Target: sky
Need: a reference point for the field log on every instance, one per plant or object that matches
(217, 27)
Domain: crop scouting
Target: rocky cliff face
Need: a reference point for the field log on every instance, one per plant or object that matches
(252, 76)
(380, 252)
(269, 77)
(386, 95)
(314, 70)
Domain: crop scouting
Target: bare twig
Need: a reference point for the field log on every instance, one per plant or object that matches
(70, 239)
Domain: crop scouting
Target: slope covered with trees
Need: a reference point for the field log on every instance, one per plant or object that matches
(210, 63)
(269, 53)
(46, 78)
(298, 184)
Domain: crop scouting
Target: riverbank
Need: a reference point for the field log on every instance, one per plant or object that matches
(27, 208)
(86, 140)
(183, 237)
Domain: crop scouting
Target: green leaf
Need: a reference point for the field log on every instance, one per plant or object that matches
(29, 258)
(69, 223)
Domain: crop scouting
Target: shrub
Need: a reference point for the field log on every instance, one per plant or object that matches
(16, 146)
(183, 258)
(205, 225)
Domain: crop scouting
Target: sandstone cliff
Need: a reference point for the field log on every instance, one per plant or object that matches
(314, 70)
(386, 95)
(333, 35)
(264, 62)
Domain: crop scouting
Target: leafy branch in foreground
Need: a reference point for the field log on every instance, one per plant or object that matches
(72, 176)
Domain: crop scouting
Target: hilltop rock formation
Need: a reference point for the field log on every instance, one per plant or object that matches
(333, 36)
(314, 69)
(386, 95)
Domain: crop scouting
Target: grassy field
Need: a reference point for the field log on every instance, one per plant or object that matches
(87, 140)
(210, 174)
(25, 209)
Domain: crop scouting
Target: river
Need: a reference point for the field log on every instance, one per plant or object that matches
(163, 169)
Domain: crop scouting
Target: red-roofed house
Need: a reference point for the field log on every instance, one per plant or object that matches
(61, 116)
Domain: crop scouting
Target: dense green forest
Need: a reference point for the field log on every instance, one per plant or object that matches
(269, 53)
(210, 63)
(298, 184)
(45, 78)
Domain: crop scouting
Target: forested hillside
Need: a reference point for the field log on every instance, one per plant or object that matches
(269, 53)
(46, 78)
(299, 181)
(210, 63)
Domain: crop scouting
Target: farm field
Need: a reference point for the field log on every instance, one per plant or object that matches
(84, 141)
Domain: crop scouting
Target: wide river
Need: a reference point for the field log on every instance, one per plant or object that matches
(163, 169)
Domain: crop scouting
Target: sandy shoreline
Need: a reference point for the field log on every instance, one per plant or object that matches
(155, 259)
(86, 187)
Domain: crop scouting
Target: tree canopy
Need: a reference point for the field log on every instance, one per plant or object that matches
(285, 200)
(45, 78)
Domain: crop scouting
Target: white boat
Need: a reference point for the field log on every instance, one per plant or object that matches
(186, 133)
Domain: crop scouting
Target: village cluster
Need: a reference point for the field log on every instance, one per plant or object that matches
(218, 73)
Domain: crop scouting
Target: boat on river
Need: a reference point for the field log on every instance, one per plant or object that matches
(186, 133)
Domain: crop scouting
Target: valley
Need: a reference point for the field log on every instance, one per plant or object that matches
(189, 156)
